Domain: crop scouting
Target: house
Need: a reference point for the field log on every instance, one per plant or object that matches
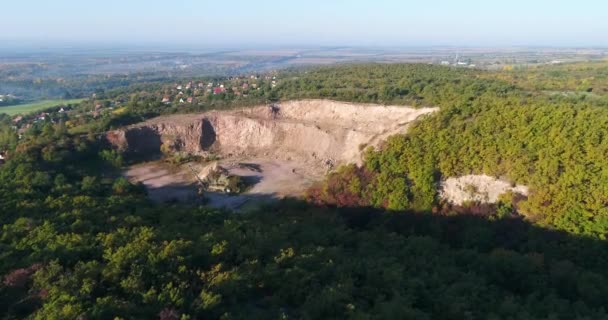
(245, 86)
(179, 87)
(17, 119)
(181, 100)
(166, 100)
(190, 99)
(2, 158)
(218, 90)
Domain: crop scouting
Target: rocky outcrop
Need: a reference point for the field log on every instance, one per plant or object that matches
(477, 188)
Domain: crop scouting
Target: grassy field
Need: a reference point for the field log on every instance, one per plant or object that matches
(35, 106)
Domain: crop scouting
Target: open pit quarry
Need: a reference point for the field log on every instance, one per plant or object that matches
(294, 143)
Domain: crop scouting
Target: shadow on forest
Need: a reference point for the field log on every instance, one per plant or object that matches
(187, 194)
(472, 231)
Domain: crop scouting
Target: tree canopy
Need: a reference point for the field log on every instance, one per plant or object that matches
(78, 241)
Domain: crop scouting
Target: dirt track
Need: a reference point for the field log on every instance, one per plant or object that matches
(294, 144)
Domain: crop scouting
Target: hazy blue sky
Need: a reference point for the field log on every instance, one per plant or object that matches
(219, 23)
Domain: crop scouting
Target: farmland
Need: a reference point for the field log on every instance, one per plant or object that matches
(36, 106)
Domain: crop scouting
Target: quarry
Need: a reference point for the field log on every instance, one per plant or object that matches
(280, 149)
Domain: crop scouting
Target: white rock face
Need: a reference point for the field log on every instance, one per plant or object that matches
(316, 130)
(477, 188)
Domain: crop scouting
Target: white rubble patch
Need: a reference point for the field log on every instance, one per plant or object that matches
(477, 188)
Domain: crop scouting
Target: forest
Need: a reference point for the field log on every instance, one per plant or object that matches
(372, 241)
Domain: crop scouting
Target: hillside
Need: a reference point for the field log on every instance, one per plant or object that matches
(374, 240)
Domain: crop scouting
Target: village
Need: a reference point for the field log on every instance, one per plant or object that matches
(183, 92)
(190, 91)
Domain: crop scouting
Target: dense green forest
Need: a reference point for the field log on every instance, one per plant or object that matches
(79, 241)
(554, 144)
(80, 245)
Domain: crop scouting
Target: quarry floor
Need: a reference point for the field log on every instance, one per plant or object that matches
(275, 179)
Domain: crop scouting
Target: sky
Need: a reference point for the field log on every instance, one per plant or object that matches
(236, 23)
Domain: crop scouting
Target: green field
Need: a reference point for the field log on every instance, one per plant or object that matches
(35, 106)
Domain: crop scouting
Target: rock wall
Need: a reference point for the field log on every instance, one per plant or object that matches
(310, 129)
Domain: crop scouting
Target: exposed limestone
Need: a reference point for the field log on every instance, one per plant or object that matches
(477, 188)
(308, 130)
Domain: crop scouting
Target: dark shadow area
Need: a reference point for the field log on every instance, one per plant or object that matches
(474, 231)
(187, 194)
(251, 181)
(250, 166)
(143, 144)
(208, 136)
(549, 272)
